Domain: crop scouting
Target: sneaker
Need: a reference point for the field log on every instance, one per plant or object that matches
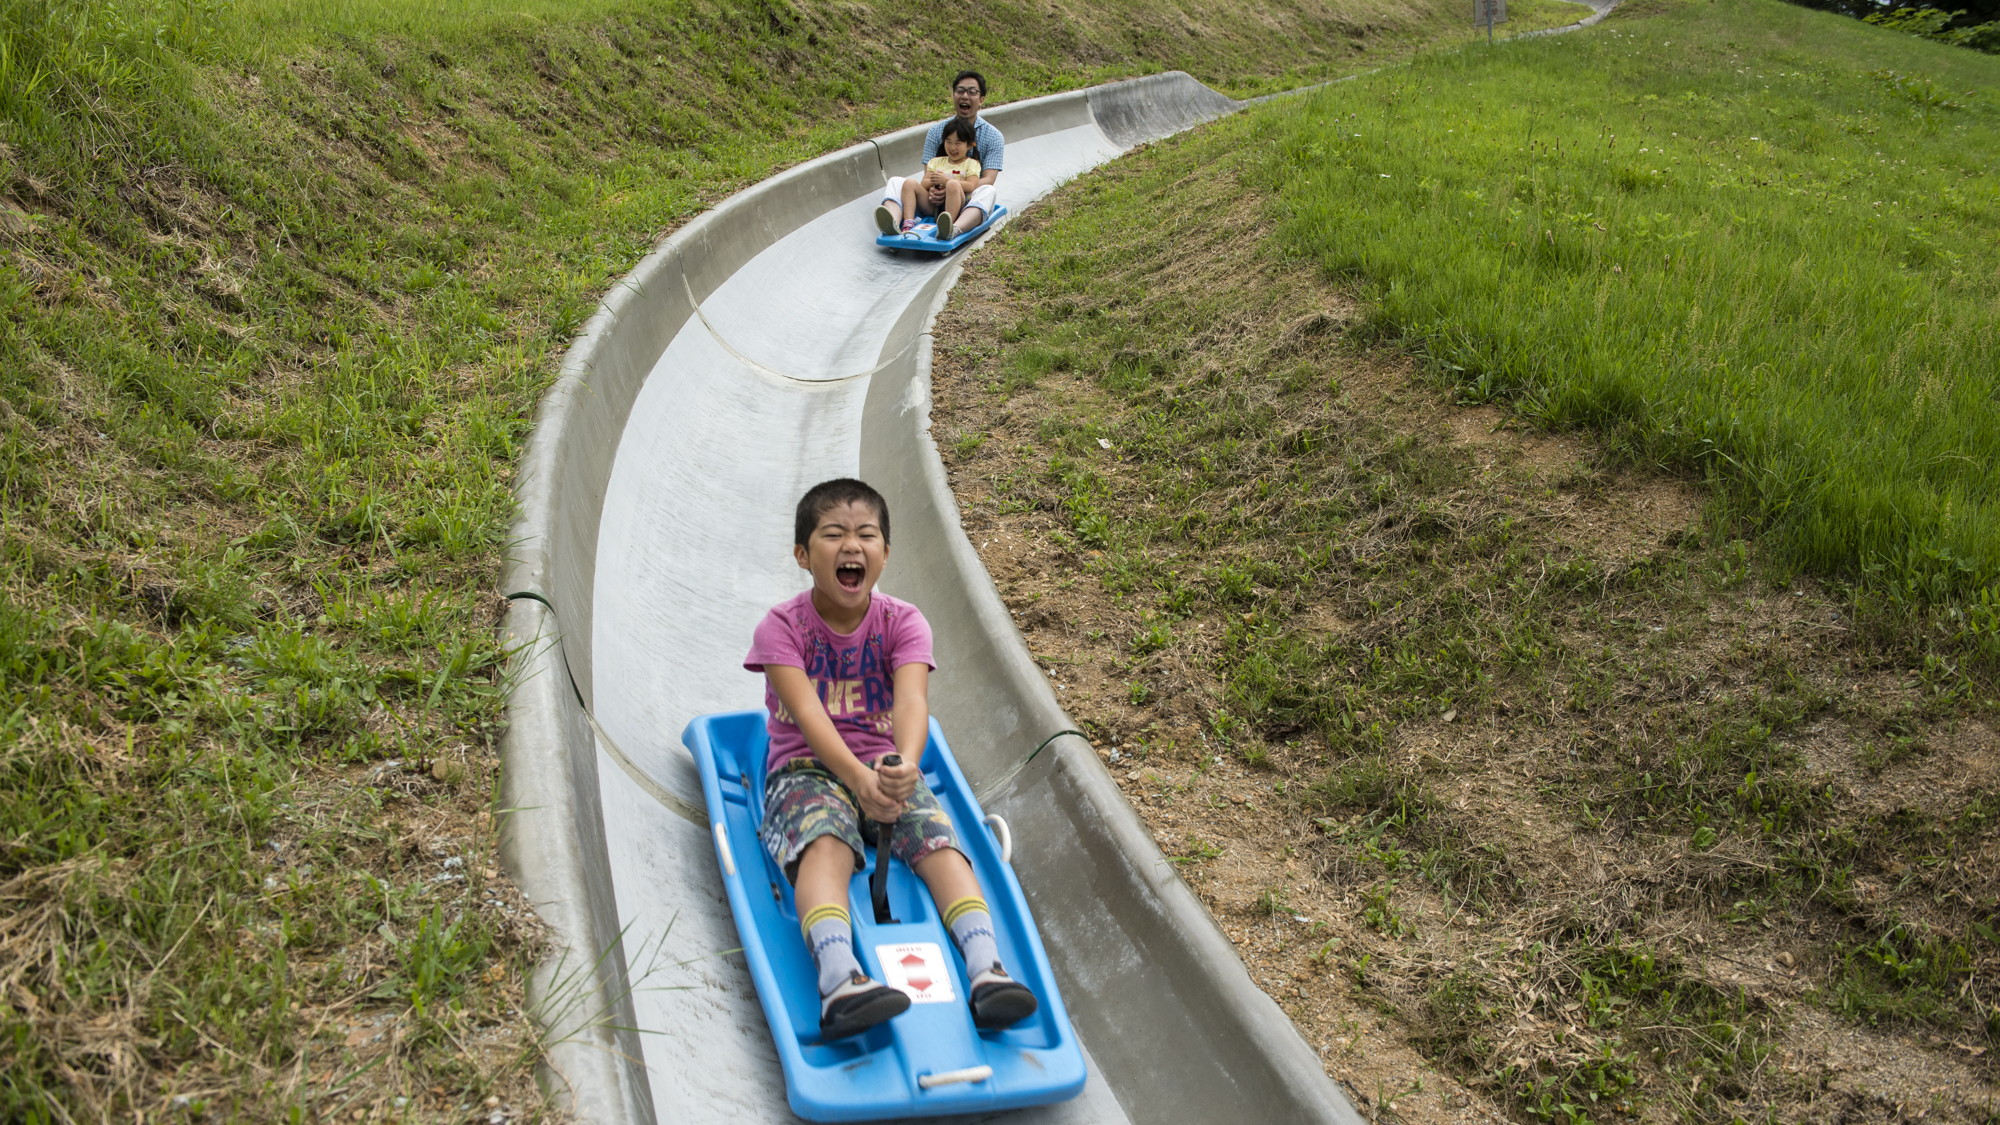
(910, 229)
(885, 221)
(944, 227)
(858, 1005)
(998, 1000)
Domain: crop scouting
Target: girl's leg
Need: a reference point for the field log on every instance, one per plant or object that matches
(821, 896)
(954, 198)
(824, 870)
(997, 1000)
(949, 877)
(911, 194)
(849, 1002)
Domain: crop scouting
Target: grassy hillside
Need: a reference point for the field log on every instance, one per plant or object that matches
(1743, 239)
(1523, 748)
(282, 283)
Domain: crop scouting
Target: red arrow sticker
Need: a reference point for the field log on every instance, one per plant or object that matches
(919, 969)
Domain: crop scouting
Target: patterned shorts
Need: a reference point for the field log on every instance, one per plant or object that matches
(804, 801)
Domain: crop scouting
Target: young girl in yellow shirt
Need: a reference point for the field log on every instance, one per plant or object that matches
(946, 181)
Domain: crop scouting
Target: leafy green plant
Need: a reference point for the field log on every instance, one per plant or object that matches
(1920, 92)
(439, 959)
(1274, 901)
(1935, 23)
(1153, 637)
(1904, 973)
(1379, 911)
(1198, 851)
(1600, 1083)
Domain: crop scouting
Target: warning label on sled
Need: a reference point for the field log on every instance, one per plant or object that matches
(919, 969)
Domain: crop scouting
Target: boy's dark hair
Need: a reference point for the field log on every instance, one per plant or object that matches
(828, 495)
(975, 76)
(962, 129)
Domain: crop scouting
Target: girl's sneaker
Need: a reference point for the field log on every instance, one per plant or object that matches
(858, 1005)
(999, 1000)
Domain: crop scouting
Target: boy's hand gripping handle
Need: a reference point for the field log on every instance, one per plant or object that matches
(878, 883)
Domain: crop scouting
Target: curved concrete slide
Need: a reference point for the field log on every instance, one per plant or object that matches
(766, 346)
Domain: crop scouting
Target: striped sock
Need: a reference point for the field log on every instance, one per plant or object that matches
(972, 928)
(830, 938)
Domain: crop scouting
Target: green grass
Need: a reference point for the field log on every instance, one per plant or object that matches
(258, 27)
(1302, 573)
(1742, 238)
(282, 285)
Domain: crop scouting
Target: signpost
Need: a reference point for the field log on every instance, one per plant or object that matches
(1489, 12)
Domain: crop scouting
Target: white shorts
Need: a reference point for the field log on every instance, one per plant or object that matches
(985, 197)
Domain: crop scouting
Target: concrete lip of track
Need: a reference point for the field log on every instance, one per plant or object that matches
(766, 346)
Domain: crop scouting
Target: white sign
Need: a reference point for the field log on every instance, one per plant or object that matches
(918, 969)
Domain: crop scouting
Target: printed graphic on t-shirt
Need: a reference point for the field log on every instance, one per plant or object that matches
(853, 682)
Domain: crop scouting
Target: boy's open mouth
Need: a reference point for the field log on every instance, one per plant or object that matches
(849, 575)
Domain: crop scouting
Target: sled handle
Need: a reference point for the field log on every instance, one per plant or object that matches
(1004, 834)
(878, 883)
(947, 1077)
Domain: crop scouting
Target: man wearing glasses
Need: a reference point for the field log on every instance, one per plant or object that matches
(968, 94)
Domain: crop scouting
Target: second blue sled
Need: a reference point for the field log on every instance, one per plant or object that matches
(924, 237)
(931, 1059)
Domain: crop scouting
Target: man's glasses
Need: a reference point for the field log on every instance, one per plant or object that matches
(965, 89)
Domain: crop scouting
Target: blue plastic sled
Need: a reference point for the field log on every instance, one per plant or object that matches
(923, 236)
(930, 1059)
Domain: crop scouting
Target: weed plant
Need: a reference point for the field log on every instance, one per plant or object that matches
(282, 283)
(1741, 238)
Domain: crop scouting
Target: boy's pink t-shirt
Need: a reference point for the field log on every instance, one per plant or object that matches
(852, 672)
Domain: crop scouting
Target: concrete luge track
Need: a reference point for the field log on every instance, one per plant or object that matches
(764, 347)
